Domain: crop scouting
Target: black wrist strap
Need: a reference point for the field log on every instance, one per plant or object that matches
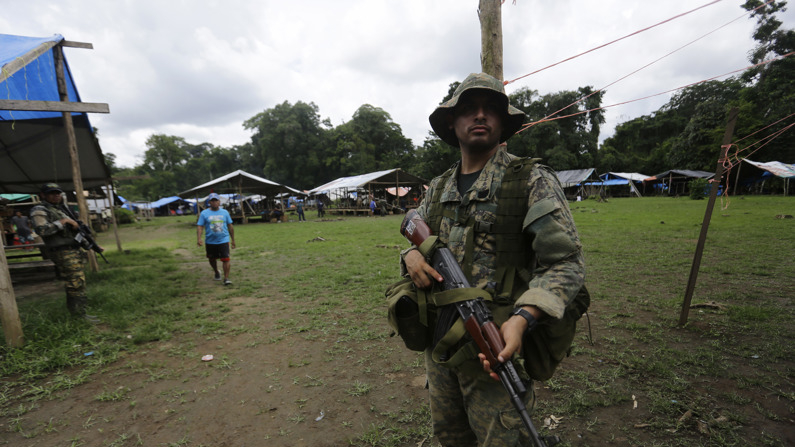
(531, 320)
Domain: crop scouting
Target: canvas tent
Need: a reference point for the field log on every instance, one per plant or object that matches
(622, 183)
(164, 206)
(240, 182)
(574, 182)
(674, 182)
(756, 174)
(349, 191)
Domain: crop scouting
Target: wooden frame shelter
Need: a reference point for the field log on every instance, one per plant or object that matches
(45, 136)
(374, 184)
(239, 182)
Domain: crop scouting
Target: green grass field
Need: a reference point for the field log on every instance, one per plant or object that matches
(724, 379)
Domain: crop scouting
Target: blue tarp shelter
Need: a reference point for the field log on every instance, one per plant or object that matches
(619, 179)
(33, 138)
(163, 205)
(675, 181)
(753, 175)
(578, 182)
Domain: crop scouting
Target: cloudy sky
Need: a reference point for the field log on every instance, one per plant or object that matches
(199, 68)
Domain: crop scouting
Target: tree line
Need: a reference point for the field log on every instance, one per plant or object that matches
(291, 143)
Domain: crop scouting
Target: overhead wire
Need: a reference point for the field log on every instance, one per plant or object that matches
(547, 118)
(527, 125)
(614, 41)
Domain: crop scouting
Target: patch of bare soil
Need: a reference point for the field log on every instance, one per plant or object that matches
(264, 386)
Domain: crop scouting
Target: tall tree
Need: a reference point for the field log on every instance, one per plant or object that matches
(706, 106)
(370, 141)
(433, 157)
(564, 143)
(772, 86)
(165, 152)
(287, 143)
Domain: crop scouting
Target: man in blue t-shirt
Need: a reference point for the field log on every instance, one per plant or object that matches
(220, 232)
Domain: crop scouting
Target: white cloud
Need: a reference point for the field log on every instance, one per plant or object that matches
(198, 69)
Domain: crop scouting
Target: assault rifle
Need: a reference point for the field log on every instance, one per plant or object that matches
(84, 237)
(478, 321)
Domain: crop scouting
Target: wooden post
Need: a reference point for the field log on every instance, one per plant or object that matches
(3, 233)
(713, 194)
(9, 314)
(77, 177)
(244, 220)
(737, 177)
(112, 197)
(489, 13)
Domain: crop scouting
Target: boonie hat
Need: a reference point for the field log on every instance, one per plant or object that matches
(512, 120)
(50, 187)
(214, 196)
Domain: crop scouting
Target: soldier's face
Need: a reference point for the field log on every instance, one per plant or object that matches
(477, 120)
(53, 197)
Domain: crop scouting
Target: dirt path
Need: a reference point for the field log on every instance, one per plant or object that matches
(268, 384)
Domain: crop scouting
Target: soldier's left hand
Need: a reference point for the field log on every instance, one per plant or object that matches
(512, 332)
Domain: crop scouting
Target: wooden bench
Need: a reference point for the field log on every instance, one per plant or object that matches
(24, 251)
(23, 270)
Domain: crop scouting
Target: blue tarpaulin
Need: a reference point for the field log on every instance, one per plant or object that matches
(164, 201)
(33, 145)
(35, 81)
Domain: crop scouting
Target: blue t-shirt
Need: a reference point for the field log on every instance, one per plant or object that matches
(215, 225)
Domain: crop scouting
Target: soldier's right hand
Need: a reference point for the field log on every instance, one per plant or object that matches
(68, 221)
(420, 272)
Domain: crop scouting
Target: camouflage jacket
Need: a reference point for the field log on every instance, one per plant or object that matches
(46, 222)
(560, 270)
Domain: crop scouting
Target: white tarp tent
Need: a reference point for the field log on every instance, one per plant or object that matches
(378, 180)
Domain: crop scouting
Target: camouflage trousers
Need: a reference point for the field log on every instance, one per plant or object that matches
(468, 411)
(70, 263)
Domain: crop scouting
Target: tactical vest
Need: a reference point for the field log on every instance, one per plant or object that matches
(64, 237)
(551, 341)
(514, 254)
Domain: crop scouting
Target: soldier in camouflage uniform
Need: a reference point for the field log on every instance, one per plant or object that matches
(58, 231)
(469, 408)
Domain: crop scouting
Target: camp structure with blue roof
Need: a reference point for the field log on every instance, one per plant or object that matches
(45, 134)
(35, 137)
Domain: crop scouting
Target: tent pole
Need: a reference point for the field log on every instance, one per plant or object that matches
(397, 188)
(737, 177)
(3, 233)
(670, 182)
(240, 198)
(77, 177)
(112, 194)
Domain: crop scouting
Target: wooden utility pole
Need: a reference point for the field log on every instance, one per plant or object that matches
(713, 194)
(489, 13)
(77, 177)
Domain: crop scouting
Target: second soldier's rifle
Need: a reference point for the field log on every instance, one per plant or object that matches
(477, 320)
(84, 237)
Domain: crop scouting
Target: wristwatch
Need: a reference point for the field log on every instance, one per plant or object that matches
(531, 320)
